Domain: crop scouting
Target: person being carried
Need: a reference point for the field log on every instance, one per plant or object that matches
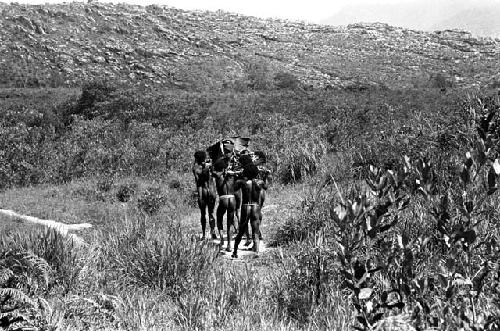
(225, 181)
(251, 188)
(205, 187)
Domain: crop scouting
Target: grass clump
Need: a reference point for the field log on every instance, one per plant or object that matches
(168, 261)
(126, 191)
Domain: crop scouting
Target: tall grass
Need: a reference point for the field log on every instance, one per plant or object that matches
(67, 259)
(164, 259)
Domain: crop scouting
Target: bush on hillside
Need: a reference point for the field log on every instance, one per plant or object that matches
(258, 75)
(440, 81)
(286, 80)
(93, 93)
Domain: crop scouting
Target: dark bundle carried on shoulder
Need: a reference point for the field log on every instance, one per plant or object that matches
(236, 153)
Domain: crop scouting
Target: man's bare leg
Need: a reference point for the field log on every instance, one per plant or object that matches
(221, 210)
(247, 234)
(260, 224)
(236, 222)
(211, 207)
(262, 200)
(237, 198)
(254, 220)
(230, 221)
(203, 221)
(203, 217)
(242, 229)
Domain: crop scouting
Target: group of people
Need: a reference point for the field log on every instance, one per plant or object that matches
(240, 180)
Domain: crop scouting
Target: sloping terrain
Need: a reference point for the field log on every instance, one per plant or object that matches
(66, 44)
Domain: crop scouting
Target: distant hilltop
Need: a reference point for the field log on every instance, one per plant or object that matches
(480, 18)
(67, 44)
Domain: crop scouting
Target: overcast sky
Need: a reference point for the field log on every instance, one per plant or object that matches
(307, 10)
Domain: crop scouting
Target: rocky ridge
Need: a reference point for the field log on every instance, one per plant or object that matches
(66, 44)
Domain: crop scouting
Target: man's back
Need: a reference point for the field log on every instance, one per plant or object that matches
(202, 175)
(225, 184)
(250, 190)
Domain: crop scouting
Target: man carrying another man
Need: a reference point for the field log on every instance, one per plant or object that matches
(225, 183)
(251, 188)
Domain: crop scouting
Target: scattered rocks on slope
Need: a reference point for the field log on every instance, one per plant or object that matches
(170, 47)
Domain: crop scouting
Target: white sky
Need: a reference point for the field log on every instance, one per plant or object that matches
(307, 10)
(310, 10)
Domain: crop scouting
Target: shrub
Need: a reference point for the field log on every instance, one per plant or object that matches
(286, 80)
(311, 219)
(126, 191)
(308, 280)
(302, 148)
(258, 74)
(151, 201)
(440, 81)
(93, 93)
(105, 184)
(174, 184)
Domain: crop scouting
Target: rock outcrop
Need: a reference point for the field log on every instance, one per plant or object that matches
(66, 44)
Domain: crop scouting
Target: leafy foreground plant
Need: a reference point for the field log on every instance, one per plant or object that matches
(23, 276)
(67, 261)
(420, 249)
(446, 278)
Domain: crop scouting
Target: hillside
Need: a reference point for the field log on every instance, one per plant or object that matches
(66, 44)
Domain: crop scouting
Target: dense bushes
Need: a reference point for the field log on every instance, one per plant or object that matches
(114, 130)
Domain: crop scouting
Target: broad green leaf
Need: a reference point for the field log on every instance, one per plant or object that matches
(465, 176)
(468, 161)
(365, 293)
(469, 206)
(470, 236)
(369, 306)
(496, 167)
(460, 280)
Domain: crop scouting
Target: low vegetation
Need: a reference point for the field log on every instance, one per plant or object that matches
(386, 210)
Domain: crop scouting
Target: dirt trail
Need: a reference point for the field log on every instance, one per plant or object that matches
(62, 228)
(192, 222)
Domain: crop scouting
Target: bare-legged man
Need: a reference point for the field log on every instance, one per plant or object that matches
(237, 194)
(265, 176)
(250, 208)
(205, 187)
(225, 181)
